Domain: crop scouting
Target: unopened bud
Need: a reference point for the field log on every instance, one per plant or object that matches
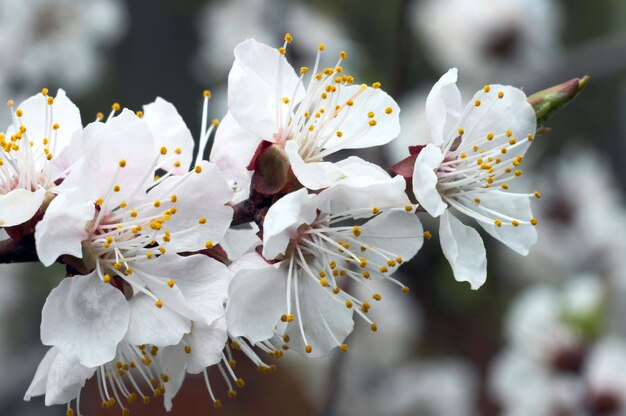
(547, 102)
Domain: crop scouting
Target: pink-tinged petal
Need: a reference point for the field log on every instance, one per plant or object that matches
(64, 226)
(257, 300)
(85, 319)
(257, 82)
(19, 205)
(425, 180)
(464, 249)
(68, 158)
(151, 325)
(354, 122)
(66, 378)
(207, 343)
(125, 137)
(201, 211)
(169, 131)
(283, 219)
(488, 113)
(38, 384)
(313, 175)
(511, 206)
(232, 150)
(327, 322)
(443, 107)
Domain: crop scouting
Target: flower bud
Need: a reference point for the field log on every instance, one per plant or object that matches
(548, 101)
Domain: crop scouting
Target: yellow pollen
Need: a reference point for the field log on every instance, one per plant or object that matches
(323, 282)
(321, 47)
(515, 223)
(133, 214)
(198, 169)
(162, 250)
(339, 133)
(408, 208)
(533, 221)
(202, 220)
(159, 303)
(343, 55)
(19, 113)
(529, 137)
(349, 304)
(208, 244)
(178, 150)
(377, 296)
(173, 198)
(99, 116)
(374, 327)
(332, 264)
(461, 131)
(356, 231)
(365, 307)
(486, 88)
(512, 141)
(122, 163)
(518, 172)
(391, 263)
(149, 255)
(163, 150)
(383, 269)
(366, 274)
(388, 110)
(106, 278)
(286, 100)
(370, 114)
(477, 103)
(281, 50)
(490, 136)
(503, 151)
(116, 107)
(497, 223)
(344, 347)
(99, 201)
(376, 85)
(463, 155)
(509, 133)
(336, 290)
(504, 186)
(288, 37)
(157, 203)
(116, 188)
(405, 289)
(215, 122)
(349, 103)
(308, 349)
(500, 94)
(475, 148)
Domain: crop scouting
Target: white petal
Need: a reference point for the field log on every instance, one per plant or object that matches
(151, 325)
(256, 87)
(200, 195)
(19, 205)
(124, 137)
(516, 206)
(497, 115)
(357, 132)
(313, 175)
(239, 241)
(257, 299)
(232, 151)
(397, 232)
(169, 130)
(38, 385)
(85, 318)
(65, 379)
(443, 107)
(357, 195)
(283, 219)
(425, 180)
(207, 343)
(464, 250)
(200, 285)
(326, 320)
(64, 226)
(173, 362)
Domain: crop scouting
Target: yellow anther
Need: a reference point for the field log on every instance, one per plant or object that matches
(187, 349)
(215, 122)
(173, 198)
(106, 278)
(356, 231)
(504, 186)
(19, 113)
(286, 100)
(391, 263)
(475, 148)
(22, 129)
(339, 133)
(374, 327)
(217, 404)
(290, 318)
(500, 94)
(515, 223)
(308, 349)
(321, 47)
(163, 150)
(50, 100)
(208, 244)
(332, 264)
(408, 208)
(518, 172)
(288, 37)
(509, 133)
(349, 304)
(99, 201)
(460, 131)
(344, 347)
(497, 223)
(343, 55)
(116, 188)
(477, 103)
(463, 155)
(122, 163)
(339, 69)
(376, 85)
(139, 113)
(529, 137)
(427, 235)
(503, 150)
(231, 394)
(323, 282)
(49, 156)
(178, 150)
(477, 200)
(383, 269)
(336, 290)
(158, 303)
(197, 169)
(116, 107)
(363, 262)
(157, 203)
(388, 110)
(370, 114)
(490, 136)
(366, 274)
(349, 103)
(365, 307)
(202, 220)
(281, 50)
(375, 210)
(162, 250)
(537, 194)
(240, 383)
(533, 221)
(486, 88)
(55, 126)
(377, 296)
(149, 254)
(99, 116)
(405, 289)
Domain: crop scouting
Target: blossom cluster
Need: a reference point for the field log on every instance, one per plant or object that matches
(174, 261)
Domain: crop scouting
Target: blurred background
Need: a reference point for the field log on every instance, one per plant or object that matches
(546, 334)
